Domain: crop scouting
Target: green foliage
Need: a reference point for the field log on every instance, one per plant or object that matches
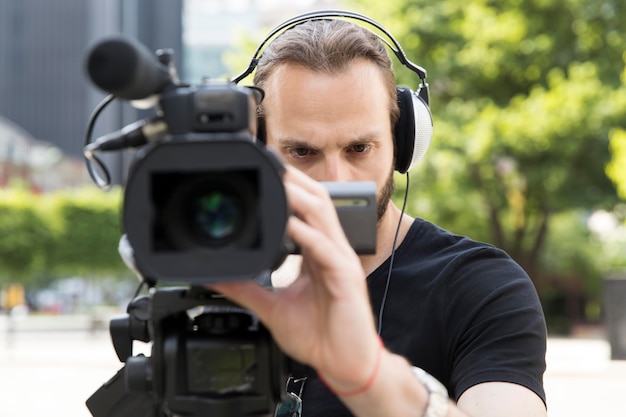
(24, 237)
(616, 168)
(87, 231)
(570, 258)
(59, 234)
(528, 100)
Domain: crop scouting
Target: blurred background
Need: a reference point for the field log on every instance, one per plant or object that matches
(529, 150)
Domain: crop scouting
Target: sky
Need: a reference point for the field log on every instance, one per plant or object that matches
(215, 17)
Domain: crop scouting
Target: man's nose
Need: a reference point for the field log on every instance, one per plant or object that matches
(336, 169)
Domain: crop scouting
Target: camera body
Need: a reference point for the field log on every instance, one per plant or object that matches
(208, 204)
(204, 202)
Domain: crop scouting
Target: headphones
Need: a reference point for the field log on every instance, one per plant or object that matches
(414, 128)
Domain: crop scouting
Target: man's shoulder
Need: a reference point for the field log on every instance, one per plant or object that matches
(440, 254)
(425, 235)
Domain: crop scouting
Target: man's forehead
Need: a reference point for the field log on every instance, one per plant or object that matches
(358, 67)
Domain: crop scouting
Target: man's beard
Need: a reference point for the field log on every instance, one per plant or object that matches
(385, 196)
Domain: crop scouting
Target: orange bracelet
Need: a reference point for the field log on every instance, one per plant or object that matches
(368, 383)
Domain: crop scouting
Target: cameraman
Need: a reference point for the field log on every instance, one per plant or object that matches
(462, 311)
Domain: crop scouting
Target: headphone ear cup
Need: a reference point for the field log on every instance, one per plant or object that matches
(413, 130)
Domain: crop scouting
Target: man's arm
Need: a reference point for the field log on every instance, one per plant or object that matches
(501, 399)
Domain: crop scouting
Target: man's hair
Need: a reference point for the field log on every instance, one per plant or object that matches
(327, 46)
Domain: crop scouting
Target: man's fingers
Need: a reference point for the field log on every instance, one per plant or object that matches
(312, 204)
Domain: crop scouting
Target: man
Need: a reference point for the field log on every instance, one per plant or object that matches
(460, 310)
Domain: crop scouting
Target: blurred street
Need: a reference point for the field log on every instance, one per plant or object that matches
(49, 366)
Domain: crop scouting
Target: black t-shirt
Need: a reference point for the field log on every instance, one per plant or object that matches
(463, 311)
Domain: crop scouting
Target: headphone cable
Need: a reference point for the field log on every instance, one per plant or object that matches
(392, 257)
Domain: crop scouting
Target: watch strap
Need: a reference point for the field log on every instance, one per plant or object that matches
(438, 400)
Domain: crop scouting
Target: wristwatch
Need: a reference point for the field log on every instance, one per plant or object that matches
(438, 400)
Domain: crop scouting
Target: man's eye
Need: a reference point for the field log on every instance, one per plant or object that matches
(360, 148)
(299, 152)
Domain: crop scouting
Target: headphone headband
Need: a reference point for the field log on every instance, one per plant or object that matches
(391, 42)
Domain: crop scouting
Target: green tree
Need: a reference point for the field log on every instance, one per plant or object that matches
(616, 168)
(87, 229)
(64, 233)
(24, 236)
(524, 97)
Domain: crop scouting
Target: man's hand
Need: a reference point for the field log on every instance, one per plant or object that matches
(323, 318)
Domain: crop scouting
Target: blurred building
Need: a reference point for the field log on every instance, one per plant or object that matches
(34, 163)
(45, 93)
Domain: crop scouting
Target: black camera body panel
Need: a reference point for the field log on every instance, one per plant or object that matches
(209, 108)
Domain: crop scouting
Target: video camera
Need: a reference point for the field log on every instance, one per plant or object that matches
(204, 202)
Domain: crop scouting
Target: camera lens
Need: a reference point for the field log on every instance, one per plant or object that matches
(217, 214)
(208, 210)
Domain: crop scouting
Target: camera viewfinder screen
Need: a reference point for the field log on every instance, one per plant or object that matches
(220, 369)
